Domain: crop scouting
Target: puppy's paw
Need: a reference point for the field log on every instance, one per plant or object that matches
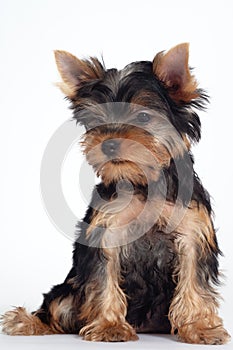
(196, 335)
(109, 333)
(20, 322)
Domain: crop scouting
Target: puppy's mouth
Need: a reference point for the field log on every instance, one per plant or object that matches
(118, 161)
(114, 170)
(122, 165)
(115, 162)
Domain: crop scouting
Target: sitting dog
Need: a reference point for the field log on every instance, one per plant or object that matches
(146, 255)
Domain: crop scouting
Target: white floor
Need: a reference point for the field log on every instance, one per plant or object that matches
(69, 342)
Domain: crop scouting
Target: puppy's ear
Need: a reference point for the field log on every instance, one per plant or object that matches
(173, 70)
(74, 72)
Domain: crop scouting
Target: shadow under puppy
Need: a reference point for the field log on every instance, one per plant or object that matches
(146, 254)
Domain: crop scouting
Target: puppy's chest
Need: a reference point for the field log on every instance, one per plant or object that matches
(150, 257)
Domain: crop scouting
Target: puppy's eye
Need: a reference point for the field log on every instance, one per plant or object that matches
(143, 117)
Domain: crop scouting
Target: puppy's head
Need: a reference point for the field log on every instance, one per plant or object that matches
(137, 119)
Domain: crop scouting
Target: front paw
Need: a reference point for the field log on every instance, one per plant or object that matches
(108, 332)
(194, 334)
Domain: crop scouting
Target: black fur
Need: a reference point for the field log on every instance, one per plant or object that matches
(141, 79)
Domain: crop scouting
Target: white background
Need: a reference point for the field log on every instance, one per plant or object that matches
(33, 254)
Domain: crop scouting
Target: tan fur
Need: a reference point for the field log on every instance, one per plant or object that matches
(186, 141)
(63, 313)
(20, 322)
(127, 217)
(144, 98)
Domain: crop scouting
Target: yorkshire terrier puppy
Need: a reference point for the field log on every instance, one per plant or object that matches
(146, 255)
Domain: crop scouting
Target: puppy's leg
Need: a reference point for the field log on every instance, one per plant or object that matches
(193, 311)
(105, 306)
(56, 315)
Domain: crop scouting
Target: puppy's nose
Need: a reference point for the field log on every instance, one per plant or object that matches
(110, 147)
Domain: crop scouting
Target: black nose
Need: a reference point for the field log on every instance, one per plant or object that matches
(110, 147)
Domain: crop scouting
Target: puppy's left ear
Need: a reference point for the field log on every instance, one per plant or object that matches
(74, 72)
(173, 70)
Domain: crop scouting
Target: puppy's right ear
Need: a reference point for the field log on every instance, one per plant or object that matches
(74, 72)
